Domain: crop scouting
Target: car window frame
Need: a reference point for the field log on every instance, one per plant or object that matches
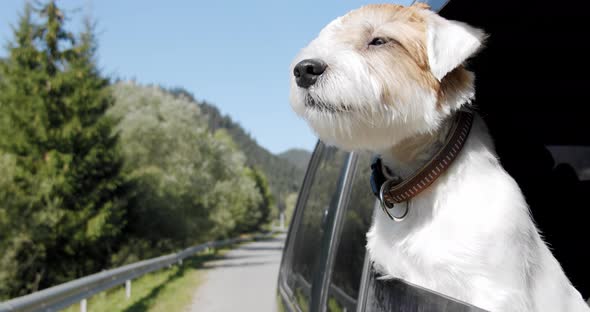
(331, 238)
(333, 226)
(286, 261)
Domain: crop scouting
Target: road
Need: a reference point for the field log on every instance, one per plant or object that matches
(243, 280)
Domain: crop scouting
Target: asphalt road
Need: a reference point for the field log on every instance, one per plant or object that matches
(243, 280)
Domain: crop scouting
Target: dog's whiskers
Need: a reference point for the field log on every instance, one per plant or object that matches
(323, 107)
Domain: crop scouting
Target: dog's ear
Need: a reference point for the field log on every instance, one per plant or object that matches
(450, 43)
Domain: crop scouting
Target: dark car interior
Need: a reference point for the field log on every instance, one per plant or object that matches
(532, 88)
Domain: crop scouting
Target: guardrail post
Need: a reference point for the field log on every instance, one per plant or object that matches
(282, 221)
(83, 305)
(128, 289)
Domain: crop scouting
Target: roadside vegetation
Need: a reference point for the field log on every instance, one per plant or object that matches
(97, 172)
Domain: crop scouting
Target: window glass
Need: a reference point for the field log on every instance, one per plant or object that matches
(559, 205)
(323, 194)
(350, 255)
(572, 159)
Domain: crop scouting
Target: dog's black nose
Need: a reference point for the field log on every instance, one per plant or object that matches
(307, 72)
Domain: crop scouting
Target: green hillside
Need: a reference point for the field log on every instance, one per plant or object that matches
(297, 156)
(284, 176)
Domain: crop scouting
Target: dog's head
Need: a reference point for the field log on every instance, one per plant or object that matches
(383, 73)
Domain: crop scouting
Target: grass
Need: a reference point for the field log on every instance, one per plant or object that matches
(170, 289)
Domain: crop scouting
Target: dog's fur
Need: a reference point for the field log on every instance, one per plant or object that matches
(470, 234)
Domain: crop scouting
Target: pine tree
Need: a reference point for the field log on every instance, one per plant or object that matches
(64, 201)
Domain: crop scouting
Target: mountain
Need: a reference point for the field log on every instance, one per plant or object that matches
(297, 156)
(284, 177)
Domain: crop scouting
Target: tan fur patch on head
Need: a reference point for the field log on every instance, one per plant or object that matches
(421, 5)
(404, 25)
(405, 53)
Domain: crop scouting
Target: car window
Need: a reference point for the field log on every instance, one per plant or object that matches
(323, 195)
(559, 207)
(350, 255)
(572, 159)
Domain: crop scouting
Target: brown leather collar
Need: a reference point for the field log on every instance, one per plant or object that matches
(395, 191)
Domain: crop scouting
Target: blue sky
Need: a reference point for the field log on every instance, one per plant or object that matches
(234, 54)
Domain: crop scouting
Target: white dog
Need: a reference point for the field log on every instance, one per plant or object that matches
(390, 79)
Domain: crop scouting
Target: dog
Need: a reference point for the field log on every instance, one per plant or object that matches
(390, 79)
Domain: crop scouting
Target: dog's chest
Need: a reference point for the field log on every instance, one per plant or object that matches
(431, 256)
(442, 245)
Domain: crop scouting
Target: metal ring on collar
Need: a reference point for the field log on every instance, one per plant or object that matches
(385, 206)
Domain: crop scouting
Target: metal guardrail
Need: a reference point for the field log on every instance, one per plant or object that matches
(66, 294)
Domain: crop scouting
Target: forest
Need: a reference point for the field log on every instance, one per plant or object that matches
(97, 171)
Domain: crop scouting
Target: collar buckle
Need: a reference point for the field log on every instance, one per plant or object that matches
(386, 206)
(382, 182)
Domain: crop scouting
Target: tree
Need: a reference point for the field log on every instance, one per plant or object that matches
(168, 158)
(264, 209)
(190, 185)
(282, 176)
(236, 196)
(64, 200)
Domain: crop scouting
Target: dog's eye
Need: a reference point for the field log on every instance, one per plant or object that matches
(378, 41)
